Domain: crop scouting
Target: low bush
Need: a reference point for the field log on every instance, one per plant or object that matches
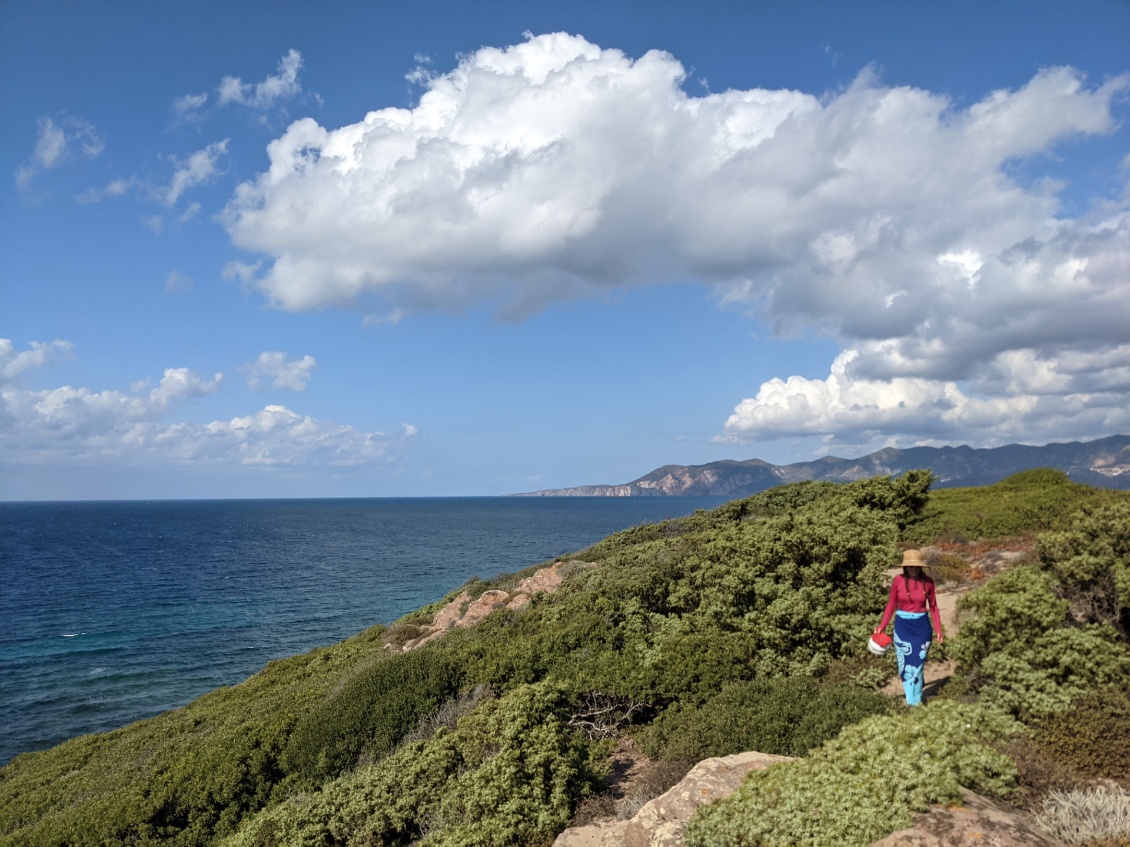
(1093, 736)
(1038, 773)
(183, 778)
(370, 713)
(1090, 563)
(787, 717)
(1045, 634)
(867, 782)
(1031, 501)
(509, 773)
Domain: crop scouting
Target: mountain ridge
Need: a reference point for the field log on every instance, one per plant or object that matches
(1104, 462)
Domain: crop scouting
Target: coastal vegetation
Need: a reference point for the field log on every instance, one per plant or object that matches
(743, 627)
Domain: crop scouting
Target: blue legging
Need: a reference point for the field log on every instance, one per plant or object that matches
(913, 634)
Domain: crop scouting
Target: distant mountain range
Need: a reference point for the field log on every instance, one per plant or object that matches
(1105, 463)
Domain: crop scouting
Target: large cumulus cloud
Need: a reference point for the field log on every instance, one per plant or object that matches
(887, 217)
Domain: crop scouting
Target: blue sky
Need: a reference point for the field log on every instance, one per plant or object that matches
(325, 249)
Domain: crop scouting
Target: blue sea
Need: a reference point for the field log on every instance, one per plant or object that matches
(115, 611)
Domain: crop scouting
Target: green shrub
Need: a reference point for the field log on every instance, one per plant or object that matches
(510, 773)
(866, 783)
(370, 713)
(1044, 635)
(1091, 565)
(182, 778)
(787, 717)
(1093, 736)
(1028, 502)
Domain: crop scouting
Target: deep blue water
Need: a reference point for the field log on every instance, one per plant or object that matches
(115, 611)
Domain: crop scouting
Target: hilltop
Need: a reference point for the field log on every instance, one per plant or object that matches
(500, 714)
(1105, 463)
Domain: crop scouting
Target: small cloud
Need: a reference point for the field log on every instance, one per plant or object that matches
(388, 318)
(56, 143)
(115, 188)
(263, 95)
(178, 283)
(242, 271)
(198, 168)
(13, 364)
(272, 370)
(190, 212)
(189, 105)
(410, 430)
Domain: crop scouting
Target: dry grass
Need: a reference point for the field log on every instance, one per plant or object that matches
(1088, 815)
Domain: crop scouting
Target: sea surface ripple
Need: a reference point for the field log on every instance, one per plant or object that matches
(116, 611)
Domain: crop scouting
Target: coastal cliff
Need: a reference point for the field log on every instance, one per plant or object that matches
(504, 713)
(1105, 462)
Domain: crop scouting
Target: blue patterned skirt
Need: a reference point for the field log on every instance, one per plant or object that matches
(913, 634)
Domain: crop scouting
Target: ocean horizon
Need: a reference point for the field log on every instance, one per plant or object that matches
(119, 610)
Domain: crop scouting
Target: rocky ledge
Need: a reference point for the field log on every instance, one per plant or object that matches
(661, 822)
(463, 611)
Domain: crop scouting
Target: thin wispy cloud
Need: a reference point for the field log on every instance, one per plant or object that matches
(179, 283)
(58, 142)
(270, 92)
(265, 94)
(196, 169)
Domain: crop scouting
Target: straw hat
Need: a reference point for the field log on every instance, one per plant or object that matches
(913, 559)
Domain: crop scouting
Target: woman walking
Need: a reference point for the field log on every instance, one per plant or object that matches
(912, 594)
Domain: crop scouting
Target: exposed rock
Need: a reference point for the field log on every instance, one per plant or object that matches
(486, 603)
(546, 579)
(609, 834)
(518, 602)
(979, 822)
(660, 823)
(463, 612)
(450, 615)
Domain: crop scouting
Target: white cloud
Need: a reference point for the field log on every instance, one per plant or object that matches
(263, 95)
(178, 283)
(78, 425)
(188, 105)
(114, 188)
(242, 271)
(56, 143)
(271, 369)
(885, 217)
(198, 168)
(13, 364)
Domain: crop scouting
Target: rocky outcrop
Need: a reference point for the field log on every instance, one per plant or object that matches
(979, 821)
(463, 611)
(660, 823)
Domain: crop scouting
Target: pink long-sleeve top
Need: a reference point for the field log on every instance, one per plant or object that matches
(912, 595)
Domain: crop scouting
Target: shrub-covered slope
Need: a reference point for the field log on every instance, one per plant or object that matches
(701, 636)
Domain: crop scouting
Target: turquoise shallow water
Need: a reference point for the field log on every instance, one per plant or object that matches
(116, 611)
